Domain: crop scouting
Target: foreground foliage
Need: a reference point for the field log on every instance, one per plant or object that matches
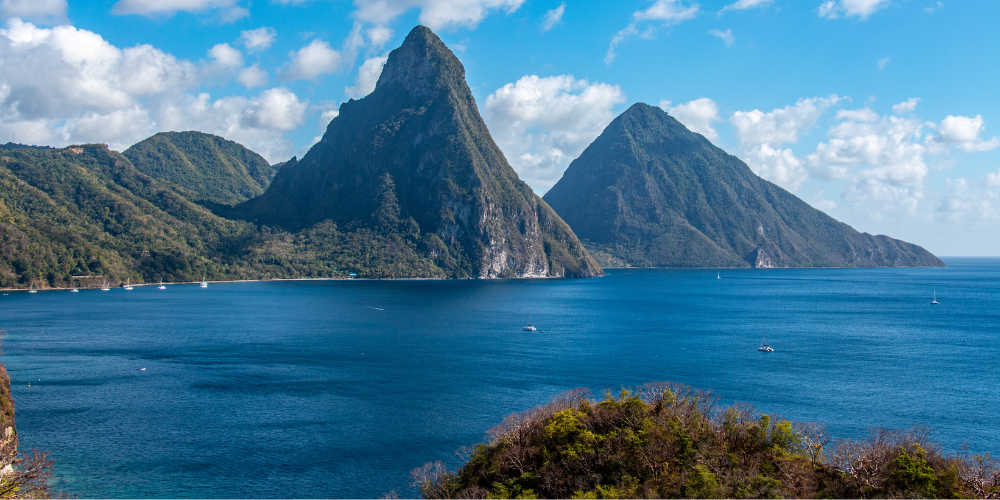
(667, 440)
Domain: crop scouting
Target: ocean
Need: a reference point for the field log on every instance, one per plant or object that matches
(340, 388)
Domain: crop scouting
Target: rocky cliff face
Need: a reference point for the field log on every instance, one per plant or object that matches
(415, 159)
(8, 431)
(650, 193)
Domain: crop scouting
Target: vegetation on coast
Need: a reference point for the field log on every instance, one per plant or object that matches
(666, 440)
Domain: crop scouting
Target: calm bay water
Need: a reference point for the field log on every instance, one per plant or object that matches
(340, 388)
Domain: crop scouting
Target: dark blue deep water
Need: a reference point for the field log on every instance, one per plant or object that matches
(340, 388)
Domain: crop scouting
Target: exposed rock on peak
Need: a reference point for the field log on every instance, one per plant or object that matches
(414, 160)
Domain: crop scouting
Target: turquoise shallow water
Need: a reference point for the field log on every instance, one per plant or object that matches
(339, 389)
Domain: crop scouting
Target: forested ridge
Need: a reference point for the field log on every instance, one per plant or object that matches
(84, 215)
(666, 440)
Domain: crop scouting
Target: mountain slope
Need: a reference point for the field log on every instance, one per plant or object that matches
(650, 193)
(204, 167)
(414, 160)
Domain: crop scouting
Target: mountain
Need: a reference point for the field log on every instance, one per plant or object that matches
(650, 193)
(414, 162)
(84, 214)
(205, 167)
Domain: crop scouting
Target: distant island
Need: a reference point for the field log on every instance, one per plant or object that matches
(651, 193)
(666, 440)
(406, 183)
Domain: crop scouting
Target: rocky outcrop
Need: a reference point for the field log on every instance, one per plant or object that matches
(415, 160)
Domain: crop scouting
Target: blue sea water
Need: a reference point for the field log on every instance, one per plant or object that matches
(340, 388)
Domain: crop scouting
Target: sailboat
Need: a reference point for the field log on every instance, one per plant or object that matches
(161, 287)
(105, 288)
(204, 284)
(764, 347)
(31, 288)
(718, 275)
(528, 327)
(75, 290)
(935, 302)
(128, 284)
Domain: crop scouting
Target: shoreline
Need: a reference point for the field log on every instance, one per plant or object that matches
(446, 279)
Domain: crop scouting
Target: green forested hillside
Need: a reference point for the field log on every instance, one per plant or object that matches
(205, 167)
(650, 193)
(84, 214)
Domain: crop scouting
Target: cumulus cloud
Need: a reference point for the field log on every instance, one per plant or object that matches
(725, 36)
(993, 179)
(252, 76)
(226, 56)
(72, 86)
(860, 9)
(39, 11)
(761, 136)
(906, 106)
(367, 77)
(697, 115)
(553, 17)
(962, 132)
(435, 14)
(258, 40)
(542, 124)
(747, 4)
(666, 12)
(227, 9)
(311, 61)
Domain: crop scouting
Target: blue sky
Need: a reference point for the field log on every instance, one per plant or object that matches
(883, 113)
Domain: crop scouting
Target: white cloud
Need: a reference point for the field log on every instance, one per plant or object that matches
(746, 4)
(252, 76)
(226, 56)
(993, 179)
(882, 62)
(368, 75)
(906, 106)
(435, 14)
(227, 9)
(311, 61)
(553, 17)
(962, 132)
(931, 10)
(666, 12)
(697, 115)
(861, 9)
(725, 36)
(258, 40)
(541, 124)
(890, 145)
(40, 11)
(379, 35)
(72, 86)
(761, 136)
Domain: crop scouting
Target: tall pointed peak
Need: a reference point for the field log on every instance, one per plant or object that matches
(422, 64)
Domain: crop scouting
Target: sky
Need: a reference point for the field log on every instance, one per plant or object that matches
(883, 113)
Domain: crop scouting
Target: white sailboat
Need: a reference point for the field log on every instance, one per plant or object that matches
(764, 347)
(161, 287)
(528, 327)
(31, 288)
(935, 302)
(718, 275)
(105, 288)
(204, 284)
(128, 284)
